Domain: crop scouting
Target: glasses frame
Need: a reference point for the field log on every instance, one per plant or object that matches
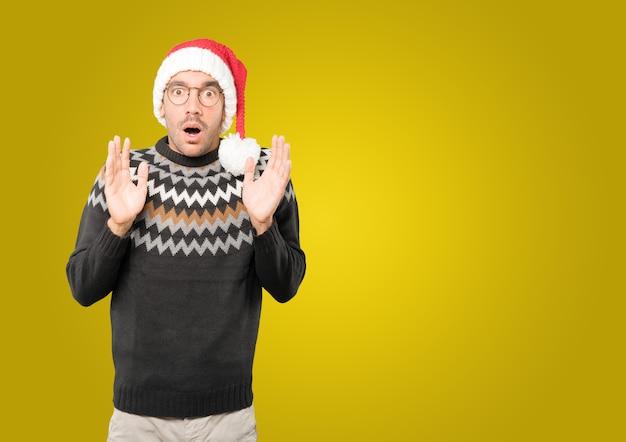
(189, 88)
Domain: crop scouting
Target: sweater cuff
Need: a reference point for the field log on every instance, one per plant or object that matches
(111, 244)
(268, 240)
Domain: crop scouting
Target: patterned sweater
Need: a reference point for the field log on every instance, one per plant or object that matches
(185, 284)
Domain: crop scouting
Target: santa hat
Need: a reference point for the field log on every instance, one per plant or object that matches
(220, 62)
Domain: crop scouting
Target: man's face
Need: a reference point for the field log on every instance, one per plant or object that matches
(193, 128)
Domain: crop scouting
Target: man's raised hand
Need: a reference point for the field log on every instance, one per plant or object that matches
(125, 199)
(262, 196)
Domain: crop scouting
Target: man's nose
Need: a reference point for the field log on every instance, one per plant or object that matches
(193, 102)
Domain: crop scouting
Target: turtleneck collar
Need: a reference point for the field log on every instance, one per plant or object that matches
(163, 147)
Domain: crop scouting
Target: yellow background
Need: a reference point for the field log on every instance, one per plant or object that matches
(459, 168)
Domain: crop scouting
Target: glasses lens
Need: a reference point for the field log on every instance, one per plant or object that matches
(209, 96)
(178, 94)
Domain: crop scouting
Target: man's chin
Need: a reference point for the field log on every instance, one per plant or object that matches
(195, 149)
(192, 145)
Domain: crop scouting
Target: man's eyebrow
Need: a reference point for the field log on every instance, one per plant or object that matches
(206, 84)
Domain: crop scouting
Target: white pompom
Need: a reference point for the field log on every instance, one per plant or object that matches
(234, 151)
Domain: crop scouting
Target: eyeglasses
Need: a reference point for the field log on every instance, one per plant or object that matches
(208, 96)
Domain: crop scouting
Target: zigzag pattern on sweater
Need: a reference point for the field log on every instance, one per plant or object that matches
(196, 221)
(189, 210)
(193, 247)
(165, 192)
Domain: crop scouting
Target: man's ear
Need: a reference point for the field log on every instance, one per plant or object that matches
(162, 111)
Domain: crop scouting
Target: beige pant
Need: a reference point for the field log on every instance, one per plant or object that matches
(237, 426)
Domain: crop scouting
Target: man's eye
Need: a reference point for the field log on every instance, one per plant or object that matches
(209, 93)
(178, 91)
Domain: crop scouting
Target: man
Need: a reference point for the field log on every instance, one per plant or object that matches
(184, 235)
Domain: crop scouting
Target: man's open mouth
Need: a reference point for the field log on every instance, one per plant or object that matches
(192, 130)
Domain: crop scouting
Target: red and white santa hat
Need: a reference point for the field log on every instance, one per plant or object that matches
(218, 61)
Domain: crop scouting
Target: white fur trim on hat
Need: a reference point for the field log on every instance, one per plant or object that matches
(202, 60)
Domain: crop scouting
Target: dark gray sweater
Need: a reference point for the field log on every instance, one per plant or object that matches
(185, 284)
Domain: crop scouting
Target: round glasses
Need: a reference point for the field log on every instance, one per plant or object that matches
(179, 94)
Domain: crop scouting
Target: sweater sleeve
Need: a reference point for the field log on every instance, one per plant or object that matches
(93, 266)
(279, 261)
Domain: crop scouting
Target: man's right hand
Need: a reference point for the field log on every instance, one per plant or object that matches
(124, 198)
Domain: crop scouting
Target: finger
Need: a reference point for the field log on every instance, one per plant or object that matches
(277, 156)
(288, 159)
(116, 144)
(248, 172)
(125, 161)
(273, 153)
(285, 161)
(112, 160)
(142, 175)
(281, 152)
